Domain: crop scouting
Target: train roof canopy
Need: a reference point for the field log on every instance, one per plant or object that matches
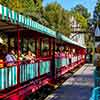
(71, 41)
(15, 18)
(9, 19)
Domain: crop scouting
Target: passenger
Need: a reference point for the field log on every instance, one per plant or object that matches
(56, 54)
(70, 57)
(24, 53)
(33, 55)
(10, 58)
(30, 57)
(45, 52)
(21, 56)
(62, 54)
(66, 53)
(58, 51)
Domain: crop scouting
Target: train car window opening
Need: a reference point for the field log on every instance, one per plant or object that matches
(8, 42)
(12, 40)
(44, 47)
(24, 45)
(28, 44)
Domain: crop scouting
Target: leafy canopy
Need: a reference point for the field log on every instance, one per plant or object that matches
(58, 18)
(26, 7)
(81, 10)
(81, 20)
(96, 17)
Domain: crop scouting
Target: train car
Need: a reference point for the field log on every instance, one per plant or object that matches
(32, 55)
(72, 56)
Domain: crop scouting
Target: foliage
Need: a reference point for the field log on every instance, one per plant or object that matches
(81, 20)
(81, 10)
(26, 7)
(57, 18)
(53, 15)
(81, 14)
(32, 8)
(96, 16)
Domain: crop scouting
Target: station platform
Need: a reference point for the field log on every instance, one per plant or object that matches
(77, 87)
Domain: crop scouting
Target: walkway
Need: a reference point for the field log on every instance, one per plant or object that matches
(78, 87)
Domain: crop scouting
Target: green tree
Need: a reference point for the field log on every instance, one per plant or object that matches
(32, 8)
(81, 10)
(81, 20)
(96, 13)
(26, 7)
(57, 18)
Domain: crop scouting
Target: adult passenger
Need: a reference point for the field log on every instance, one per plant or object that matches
(57, 53)
(10, 57)
(62, 54)
(70, 57)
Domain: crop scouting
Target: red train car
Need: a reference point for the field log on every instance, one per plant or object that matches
(32, 55)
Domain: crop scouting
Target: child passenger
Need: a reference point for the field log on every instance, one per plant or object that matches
(30, 57)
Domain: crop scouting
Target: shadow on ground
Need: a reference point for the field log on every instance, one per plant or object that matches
(79, 87)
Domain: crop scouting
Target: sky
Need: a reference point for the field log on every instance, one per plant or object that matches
(68, 4)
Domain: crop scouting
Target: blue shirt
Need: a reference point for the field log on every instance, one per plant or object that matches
(10, 58)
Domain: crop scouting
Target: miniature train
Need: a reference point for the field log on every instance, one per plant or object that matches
(41, 55)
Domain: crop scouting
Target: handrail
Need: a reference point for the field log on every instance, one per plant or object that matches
(25, 72)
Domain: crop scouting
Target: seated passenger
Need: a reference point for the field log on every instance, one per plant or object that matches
(24, 53)
(70, 58)
(45, 52)
(21, 56)
(66, 53)
(57, 53)
(62, 54)
(30, 56)
(10, 58)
